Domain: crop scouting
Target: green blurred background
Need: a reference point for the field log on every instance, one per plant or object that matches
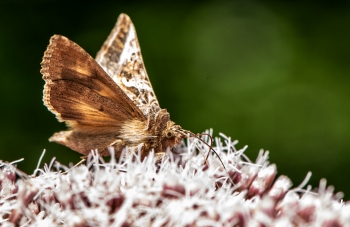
(271, 74)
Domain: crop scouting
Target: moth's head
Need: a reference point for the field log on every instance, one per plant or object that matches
(171, 135)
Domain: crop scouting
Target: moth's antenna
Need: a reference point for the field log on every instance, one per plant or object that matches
(186, 133)
(211, 144)
(182, 131)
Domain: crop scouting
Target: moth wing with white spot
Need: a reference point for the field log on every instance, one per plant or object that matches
(120, 56)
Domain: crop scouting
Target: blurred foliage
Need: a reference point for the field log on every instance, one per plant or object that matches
(274, 75)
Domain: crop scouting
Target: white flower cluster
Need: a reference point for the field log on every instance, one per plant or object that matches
(182, 190)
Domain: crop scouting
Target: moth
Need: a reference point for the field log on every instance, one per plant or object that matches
(107, 101)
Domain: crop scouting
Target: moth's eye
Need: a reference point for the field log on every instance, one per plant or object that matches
(169, 134)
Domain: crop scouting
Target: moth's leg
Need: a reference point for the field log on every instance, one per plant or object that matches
(135, 150)
(118, 146)
(83, 159)
(159, 156)
(144, 149)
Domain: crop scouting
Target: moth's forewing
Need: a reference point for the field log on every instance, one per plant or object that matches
(79, 92)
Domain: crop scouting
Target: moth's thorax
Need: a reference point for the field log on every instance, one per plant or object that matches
(167, 133)
(158, 132)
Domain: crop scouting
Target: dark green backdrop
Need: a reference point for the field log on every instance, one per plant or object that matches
(273, 75)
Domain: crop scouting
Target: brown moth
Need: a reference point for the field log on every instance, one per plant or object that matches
(107, 101)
